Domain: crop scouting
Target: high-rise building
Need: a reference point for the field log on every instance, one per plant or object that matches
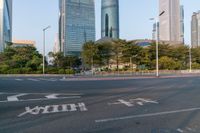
(195, 29)
(5, 23)
(110, 19)
(76, 25)
(182, 23)
(56, 47)
(154, 31)
(170, 21)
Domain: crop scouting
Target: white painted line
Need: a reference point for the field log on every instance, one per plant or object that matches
(49, 109)
(179, 130)
(126, 103)
(52, 96)
(19, 79)
(67, 94)
(33, 80)
(147, 115)
(15, 97)
(43, 99)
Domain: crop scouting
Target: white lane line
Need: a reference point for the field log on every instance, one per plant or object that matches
(147, 115)
(33, 80)
(43, 99)
(52, 96)
(15, 97)
(19, 79)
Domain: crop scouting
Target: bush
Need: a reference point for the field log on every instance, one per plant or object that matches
(69, 71)
(61, 71)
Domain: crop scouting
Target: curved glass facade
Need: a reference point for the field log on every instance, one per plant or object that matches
(76, 25)
(5, 23)
(110, 18)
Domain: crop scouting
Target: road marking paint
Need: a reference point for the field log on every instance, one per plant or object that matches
(15, 97)
(147, 115)
(52, 96)
(179, 130)
(36, 80)
(132, 102)
(67, 94)
(19, 79)
(43, 99)
(49, 109)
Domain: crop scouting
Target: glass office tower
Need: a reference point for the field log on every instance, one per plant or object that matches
(5, 23)
(110, 18)
(76, 25)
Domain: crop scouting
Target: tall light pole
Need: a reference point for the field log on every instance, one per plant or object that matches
(157, 41)
(44, 30)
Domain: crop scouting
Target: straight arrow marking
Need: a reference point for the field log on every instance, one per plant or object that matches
(15, 97)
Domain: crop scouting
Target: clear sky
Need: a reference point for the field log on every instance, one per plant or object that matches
(31, 16)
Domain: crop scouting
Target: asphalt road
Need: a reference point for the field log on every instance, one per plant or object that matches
(55, 105)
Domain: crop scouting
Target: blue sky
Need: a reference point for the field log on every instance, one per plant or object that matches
(31, 16)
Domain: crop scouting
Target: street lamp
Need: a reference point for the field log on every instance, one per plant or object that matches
(44, 30)
(157, 41)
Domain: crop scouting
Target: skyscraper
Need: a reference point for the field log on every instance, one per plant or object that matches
(195, 30)
(76, 25)
(5, 23)
(154, 33)
(170, 23)
(182, 23)
(110, 18)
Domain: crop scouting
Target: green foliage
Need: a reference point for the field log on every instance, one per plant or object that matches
(64, 62)
(121, 51)
(20, 60)
(69, 71)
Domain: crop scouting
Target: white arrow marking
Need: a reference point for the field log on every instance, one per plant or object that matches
(52, 96)
(15, 97)
(126, 103)
(145, 100)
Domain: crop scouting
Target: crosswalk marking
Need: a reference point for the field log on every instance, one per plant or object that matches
(15, 97)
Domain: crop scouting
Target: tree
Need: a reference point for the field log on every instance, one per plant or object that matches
(167, 63)
(117, 46)
(89, 53)
(131, 51)
(104, 53)
(20, 60)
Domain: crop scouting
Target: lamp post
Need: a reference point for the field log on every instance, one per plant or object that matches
(44, 30)
(157, 41)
